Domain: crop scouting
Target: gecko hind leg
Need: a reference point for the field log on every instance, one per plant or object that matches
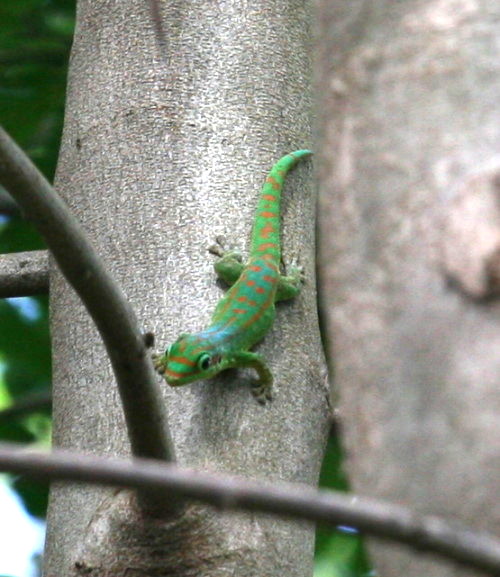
(290, 285)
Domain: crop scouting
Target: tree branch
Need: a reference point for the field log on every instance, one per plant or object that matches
(423, 533)
(142, 402)
(24, 274)
(8, 206)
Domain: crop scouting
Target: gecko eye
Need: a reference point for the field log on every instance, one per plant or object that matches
(204, 361)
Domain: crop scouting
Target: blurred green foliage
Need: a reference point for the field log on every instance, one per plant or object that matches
(339, 553)
(35, 39)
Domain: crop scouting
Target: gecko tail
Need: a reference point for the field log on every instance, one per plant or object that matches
(266, 230)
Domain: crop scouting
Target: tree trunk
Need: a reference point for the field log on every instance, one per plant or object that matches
(410, 243)
(159, 156)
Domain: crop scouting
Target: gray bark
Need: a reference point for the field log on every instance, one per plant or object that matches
(24, 274)
(160, 156)
(410, 244)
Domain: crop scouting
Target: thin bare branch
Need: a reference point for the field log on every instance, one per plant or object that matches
(24, 274)
(142, 402)
(424, 533)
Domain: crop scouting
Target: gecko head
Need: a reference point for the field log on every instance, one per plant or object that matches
(190, 358)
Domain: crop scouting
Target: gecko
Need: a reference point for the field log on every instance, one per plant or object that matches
(246, 312)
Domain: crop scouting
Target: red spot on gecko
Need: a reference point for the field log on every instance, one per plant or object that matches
(268, 197)
(267, 214)
(260, 290)
(239, 311)
(267, 230)
(250, 282)
(244, 299)
(268, 278)
(266, 246)
(273, 182)
(255, 268)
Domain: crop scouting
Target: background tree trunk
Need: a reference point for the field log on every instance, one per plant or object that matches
(157, 159)
(411, 237)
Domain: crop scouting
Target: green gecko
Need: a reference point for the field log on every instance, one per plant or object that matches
(246, 312)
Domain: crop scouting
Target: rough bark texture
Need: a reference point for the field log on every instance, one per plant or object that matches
(158, 158)
(410, 189)
(24, 274)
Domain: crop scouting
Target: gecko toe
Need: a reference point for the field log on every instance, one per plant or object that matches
(262, 393)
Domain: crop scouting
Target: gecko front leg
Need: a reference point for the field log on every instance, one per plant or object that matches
(229, 266)
(262, 389)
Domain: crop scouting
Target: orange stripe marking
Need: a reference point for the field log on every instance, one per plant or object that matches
(175, 374)
(182, 361)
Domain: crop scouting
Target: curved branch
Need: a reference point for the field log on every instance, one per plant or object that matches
(424, 533)
(8, 205)
(24, 274)
(85, 271)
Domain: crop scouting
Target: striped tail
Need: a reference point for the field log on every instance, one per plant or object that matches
(266, 230)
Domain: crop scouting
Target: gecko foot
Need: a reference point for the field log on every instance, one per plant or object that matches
(158, 363)
(295, 270)
(229, 266)
(219, 249)
(262, 393)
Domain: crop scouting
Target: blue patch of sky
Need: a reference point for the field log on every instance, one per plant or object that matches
(27, 306)
(21, 536)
